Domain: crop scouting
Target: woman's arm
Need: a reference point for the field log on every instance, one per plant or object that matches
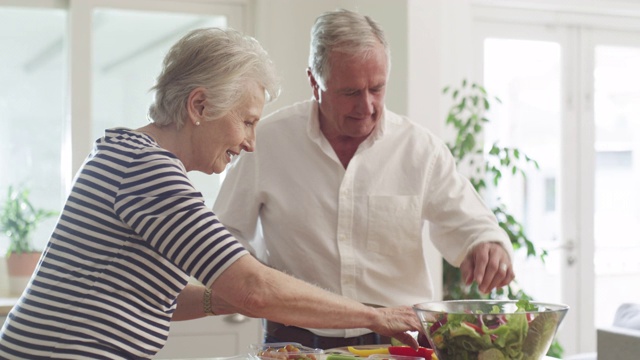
(253, 289)
(191, 303)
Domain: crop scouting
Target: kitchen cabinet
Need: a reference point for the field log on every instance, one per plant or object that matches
(214, 336)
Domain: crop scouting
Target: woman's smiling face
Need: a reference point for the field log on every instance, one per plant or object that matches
(217, 141)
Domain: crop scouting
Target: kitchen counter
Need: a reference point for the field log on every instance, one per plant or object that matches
(6, 303)
(7, 299)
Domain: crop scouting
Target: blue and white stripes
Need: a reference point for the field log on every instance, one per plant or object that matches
(131, 233)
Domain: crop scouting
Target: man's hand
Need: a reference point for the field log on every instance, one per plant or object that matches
(489, 265)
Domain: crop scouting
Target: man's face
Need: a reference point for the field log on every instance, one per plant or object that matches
(352, 103)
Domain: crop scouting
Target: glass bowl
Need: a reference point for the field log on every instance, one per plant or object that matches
(490, 329)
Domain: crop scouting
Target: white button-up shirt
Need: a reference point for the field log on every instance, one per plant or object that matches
(354, 231)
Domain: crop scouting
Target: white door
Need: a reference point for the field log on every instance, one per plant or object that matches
(522, 65)
(613, 113)
(570, 101)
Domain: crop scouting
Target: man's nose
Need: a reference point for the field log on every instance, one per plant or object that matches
(365, 103)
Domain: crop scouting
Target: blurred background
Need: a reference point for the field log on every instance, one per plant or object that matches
(567, 72)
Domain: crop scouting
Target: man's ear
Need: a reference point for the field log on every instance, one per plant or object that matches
(314, 84)
(196, 104)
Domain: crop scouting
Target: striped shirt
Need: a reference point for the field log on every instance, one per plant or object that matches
(131, 233)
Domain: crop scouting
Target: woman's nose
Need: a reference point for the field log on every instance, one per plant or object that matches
(249, 142)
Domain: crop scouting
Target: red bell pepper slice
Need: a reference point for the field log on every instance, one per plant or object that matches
(437, 325)
(408, 351)
(475, 327)
(530, 317)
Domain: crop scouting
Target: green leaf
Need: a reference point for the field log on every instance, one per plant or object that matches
(469, 141)
(451, 119)
(496, 178)
(19, 218)
(463, 103)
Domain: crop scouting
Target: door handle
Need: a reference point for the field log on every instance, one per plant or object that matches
(567, 246)
(236, 319)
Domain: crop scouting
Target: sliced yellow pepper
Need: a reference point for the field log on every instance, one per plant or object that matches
(367, 352)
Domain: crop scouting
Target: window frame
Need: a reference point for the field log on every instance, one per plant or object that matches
(80, 45)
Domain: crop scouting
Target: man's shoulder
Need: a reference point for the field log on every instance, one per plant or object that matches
(406, 135)
(295, 112)
(404, 126)
(284, 125)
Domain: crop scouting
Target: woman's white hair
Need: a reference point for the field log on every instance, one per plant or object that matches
(342, 31)
(223, 61)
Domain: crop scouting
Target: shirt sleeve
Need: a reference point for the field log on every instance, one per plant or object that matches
(160, 204)
(459, 218)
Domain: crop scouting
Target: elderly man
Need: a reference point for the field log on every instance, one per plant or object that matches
(340, 188)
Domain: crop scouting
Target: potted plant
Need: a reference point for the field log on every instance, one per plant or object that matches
(467, 116)
(18, 221)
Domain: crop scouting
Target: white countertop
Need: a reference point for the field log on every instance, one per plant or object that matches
(6, 303)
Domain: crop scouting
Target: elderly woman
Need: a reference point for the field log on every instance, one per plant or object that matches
(115, 272)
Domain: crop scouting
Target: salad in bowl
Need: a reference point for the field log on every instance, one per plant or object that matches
(490, 329)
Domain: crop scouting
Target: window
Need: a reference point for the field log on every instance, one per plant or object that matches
(33, 69)
(128, 48)
(71, 69)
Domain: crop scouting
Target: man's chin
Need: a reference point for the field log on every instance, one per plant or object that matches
(362, 132)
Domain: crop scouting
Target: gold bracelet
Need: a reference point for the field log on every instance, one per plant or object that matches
(207, 303)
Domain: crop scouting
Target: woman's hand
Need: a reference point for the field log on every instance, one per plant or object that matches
(395, 321)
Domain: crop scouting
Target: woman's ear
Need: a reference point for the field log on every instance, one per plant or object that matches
(196, 104)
